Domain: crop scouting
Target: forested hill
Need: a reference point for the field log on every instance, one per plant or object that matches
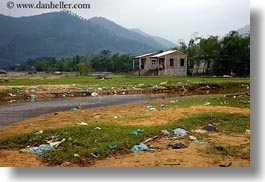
(61, 34)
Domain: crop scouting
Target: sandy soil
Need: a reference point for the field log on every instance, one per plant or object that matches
(163, 157)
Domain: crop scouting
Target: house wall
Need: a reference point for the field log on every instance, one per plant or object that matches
(176, 69)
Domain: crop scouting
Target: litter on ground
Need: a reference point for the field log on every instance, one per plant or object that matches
(210, 127)
(41, 149)
(177, 146)
(140, 147)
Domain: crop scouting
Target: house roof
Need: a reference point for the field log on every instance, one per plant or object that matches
(166, 53)
(145, 55)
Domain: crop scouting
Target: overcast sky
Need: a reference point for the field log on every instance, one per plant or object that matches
(170, 19)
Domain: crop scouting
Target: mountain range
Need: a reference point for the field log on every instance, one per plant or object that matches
(61, 34)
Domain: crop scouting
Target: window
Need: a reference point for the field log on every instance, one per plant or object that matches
(171, 62)
(182, 61)
(153, 63)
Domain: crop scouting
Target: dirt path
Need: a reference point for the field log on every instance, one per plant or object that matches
(165, 157)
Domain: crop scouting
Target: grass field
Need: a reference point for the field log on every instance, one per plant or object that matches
(116, 81)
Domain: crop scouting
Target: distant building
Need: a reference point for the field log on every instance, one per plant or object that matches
(171, 62)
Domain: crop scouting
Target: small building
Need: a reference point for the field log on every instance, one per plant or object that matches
(171, 62)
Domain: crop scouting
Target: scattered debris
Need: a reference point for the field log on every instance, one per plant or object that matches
(210, 127)
(65, 164)
(38, 150)
(165, 132)
(180, 131)
(207, 103)
(140, 147)
(39, 132)
(97, 128)
(162, 106)
(136, 132)
(150, 139)
(247, 131)
(195, 140)
(199, 131)
(149, 107)
(228, 165)
(94, 94)
(112, 147)
(82, 123)
(177, 146)
(56, 144)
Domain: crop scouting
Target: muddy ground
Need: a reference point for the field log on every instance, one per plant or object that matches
(40, 92)
(193, 156)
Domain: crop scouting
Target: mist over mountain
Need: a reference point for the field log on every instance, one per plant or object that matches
(166, 43)
(127, 33)
(245, 30)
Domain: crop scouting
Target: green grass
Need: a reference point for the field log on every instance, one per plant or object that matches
(240, 151)
(86, 140)
(233, 100)
(122, 81)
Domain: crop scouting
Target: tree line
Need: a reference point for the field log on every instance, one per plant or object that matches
(229, 55)
(102, 62)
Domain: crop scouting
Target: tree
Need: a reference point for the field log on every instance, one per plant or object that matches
(84, 66)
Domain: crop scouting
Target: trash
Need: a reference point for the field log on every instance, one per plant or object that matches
(207, 103)
(94, 94)
(82, 124)
(73, 109)
(210, 127)
(56, 144)
(199, 131)
(76, 155)
(165, 132)
(33, 96)
(152, 109)
(112, 147)
(140, 147)
(136, 132)
(228, 165)
(180, 131)
(97, 115)
(115, 117)
(195, 140)
(97, 128)
(39, 132)
(38, 150)
(247, 131)
(192, 137)
(149, 106)
(78, 106)
(150, 139)
(30, 124)
(177, 146)
(198, 142)
(162, 106)
(65, 164)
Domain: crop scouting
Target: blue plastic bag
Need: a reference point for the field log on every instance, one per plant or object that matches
(140, 147)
